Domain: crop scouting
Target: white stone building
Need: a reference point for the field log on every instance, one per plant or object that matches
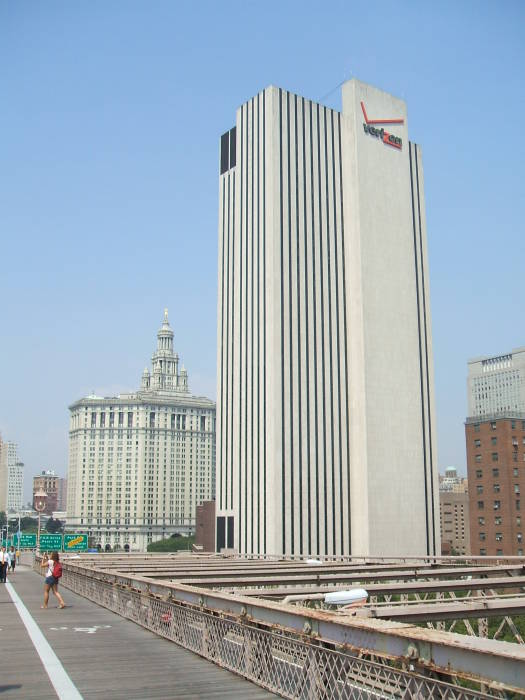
(140, 463)
(11, 478)
(325, 404)
(496, 384)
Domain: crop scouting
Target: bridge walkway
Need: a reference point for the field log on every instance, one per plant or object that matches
(95, 654)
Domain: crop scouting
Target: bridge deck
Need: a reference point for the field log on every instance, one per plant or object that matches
(104, 655)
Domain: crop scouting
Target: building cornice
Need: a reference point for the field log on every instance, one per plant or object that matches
(504, 415)
(144, 399)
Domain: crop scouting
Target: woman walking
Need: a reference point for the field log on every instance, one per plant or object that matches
(54, 571)
(12, 560)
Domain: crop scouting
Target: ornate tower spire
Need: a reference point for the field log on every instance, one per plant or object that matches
(165, 364)
(165, 335)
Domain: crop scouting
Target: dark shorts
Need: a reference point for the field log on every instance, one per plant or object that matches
(51, 580)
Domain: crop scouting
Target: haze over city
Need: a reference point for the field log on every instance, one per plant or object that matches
(111, 122)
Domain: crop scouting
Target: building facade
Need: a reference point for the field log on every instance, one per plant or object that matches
(496, 476)
(454, 513)
(452, 482)
(325, 405)
(11, 478)
(62, 495)
(54, 486)
(140, 463)
(496, 384)
(205, 527)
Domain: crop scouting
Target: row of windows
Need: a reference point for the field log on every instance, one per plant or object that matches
(498, 520)
(495, 457)
(499, 537)
(513, 425)
(497, 505)
(497, 488)
(499, 552)
(178, 421)
(494, 441)
(495, 472)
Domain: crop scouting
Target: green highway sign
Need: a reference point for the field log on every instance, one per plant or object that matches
(75, 543)
(27, 541)
(50, 543)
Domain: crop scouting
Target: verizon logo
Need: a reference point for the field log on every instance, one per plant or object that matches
(385, 136)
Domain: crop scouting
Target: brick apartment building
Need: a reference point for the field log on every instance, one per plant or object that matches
(496, 479)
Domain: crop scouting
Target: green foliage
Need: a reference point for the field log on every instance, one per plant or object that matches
(172, 544)
(28, 524)
(53, 525)
(2, 518)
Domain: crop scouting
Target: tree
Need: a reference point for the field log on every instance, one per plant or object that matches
(3, 519)
(28, 524)
(53, 525)
(172, 544)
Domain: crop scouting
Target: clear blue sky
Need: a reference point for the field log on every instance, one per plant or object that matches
(110, 119)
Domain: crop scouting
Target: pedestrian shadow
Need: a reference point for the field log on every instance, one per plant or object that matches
(9, 687)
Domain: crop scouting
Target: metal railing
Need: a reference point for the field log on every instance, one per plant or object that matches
(285, 662)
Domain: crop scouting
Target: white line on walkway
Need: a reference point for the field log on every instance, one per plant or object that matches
(62, 683)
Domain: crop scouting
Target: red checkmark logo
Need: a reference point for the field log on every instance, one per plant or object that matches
(380, 121)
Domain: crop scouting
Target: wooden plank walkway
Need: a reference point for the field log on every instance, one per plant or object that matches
(106, 656)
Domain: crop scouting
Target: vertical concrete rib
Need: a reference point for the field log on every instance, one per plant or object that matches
(426, 355)
(316, 431)
(301, 296)
(281, 266)
(244, 344)
(307, 198)
(265, 320)
(231, 338)
(344, 342)
(330, 384)
(221, 340)
(288, 307)
(419, 323)
(239, 382)
(250, 325)
(258, 307)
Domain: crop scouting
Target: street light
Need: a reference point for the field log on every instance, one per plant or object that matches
(40, 500)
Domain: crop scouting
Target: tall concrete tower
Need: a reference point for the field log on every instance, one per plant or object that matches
(325, 409)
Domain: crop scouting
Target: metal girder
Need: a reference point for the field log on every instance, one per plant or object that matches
(451, 610)
(504, 661)
(312, 576)
(461, 584)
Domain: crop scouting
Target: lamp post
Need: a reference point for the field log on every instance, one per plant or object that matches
(40, 500)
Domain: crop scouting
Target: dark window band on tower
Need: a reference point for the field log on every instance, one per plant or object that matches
(228, 150)
(225, 151)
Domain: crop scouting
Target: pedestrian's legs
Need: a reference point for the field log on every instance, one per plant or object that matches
(46, 595)
(60, 599)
